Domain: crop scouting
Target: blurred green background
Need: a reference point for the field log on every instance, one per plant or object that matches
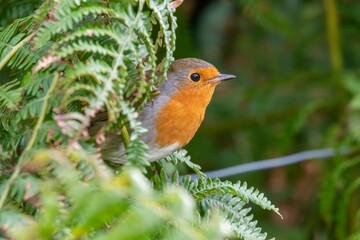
(295, 62)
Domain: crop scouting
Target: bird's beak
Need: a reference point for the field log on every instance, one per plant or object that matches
(222, 77)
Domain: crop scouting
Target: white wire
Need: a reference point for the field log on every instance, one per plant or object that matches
(271, 163)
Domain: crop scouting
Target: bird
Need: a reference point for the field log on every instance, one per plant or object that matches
(175, 114)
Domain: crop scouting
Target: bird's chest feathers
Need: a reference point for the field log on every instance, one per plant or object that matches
(180, 118)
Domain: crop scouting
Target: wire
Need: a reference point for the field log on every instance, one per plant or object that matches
(272, 163)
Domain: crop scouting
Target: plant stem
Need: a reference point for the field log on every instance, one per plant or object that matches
(30, 143)
(14, 50)
(332, 25)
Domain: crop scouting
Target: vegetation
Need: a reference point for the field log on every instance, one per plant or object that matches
(59, 66)
(297, 89)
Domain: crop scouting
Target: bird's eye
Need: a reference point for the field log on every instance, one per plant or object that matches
(195, 77)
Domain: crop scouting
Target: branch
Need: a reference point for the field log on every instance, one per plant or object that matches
(273, 163)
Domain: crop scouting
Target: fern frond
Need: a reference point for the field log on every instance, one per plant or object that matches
(92, 31)
(203, 187)
(181, 156)
(7, 34)
(94, 68)
(240, 222)
(66, 19)
(26, 57)
(14, 220)
(37, 84)
(168, 26)
(86, 46)
(30, 110)
(25, 188)
(10, 95)
(15, 51)
(136, 149)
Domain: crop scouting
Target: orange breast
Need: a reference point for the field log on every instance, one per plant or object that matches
(178, 121)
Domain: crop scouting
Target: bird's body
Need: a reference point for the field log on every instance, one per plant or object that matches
(175, 115)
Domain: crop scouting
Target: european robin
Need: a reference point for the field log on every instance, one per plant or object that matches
(173, 117)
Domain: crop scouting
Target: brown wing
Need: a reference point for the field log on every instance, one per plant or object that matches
(100, 117)
(98, 122)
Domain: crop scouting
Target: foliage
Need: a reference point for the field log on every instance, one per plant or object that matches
(339, 204)
(62, 65)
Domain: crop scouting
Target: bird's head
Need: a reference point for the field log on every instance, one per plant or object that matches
(192, 73)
